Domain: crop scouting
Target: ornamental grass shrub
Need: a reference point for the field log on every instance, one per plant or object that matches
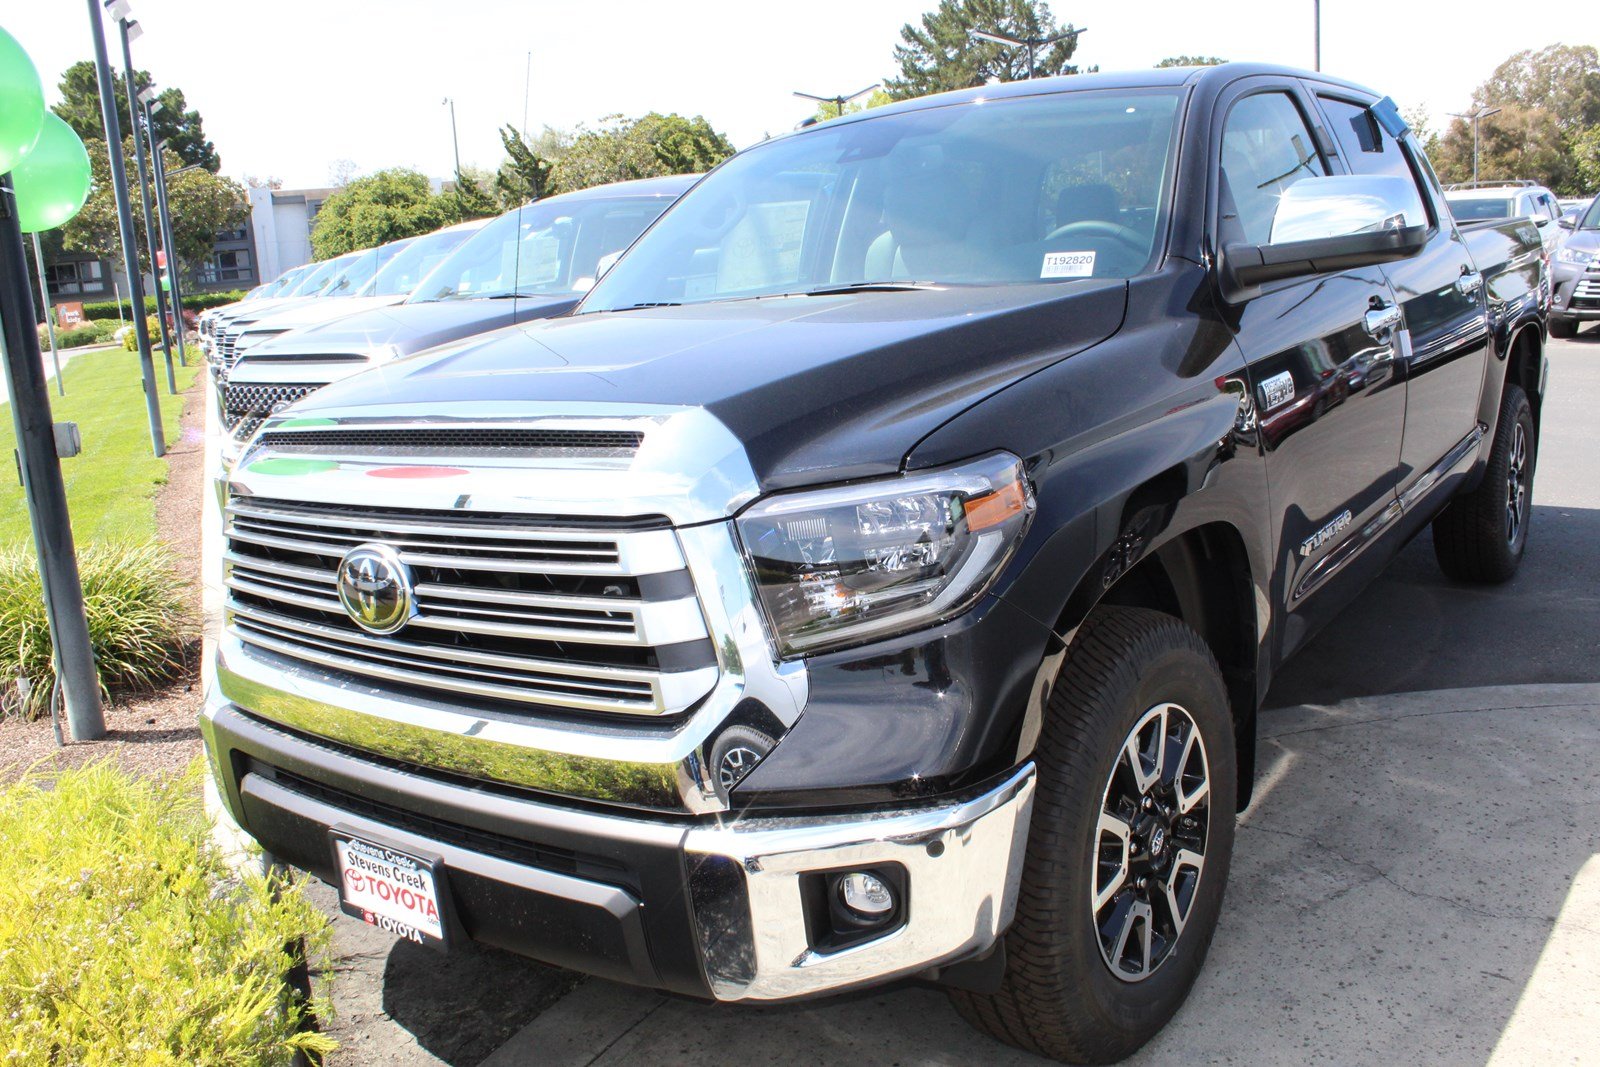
(138, 622)
(125, 939)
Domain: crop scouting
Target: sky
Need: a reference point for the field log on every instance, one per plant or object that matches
(288, 88)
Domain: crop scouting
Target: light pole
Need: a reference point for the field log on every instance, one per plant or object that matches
(455, 142)
(131, 30)
(1032, 44)
(839, 101)
(164, 218)
(1316, 34)
(130, 247)
(1475, 116)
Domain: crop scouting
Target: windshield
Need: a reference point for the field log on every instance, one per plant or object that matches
(416, 261)
(1591, 218)
(362, 268)
(554, 248)
(318, 277)
(1477, 209)
(1066, 185)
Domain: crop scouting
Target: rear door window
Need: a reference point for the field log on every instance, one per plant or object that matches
(1367, 149)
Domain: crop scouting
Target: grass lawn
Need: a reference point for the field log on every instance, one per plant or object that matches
(111, 487)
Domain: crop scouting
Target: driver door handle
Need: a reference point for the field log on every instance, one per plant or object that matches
(1469, 282)
(1382, 320)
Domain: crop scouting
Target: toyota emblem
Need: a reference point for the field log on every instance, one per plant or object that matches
(375, 588)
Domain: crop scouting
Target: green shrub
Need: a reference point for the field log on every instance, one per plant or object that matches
(138, 624)
(123, 939)
(107, 309)
(92, 332)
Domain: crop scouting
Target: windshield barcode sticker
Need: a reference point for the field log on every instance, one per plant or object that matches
(1067, 265)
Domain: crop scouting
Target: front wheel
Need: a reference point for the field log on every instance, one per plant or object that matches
(1129, 846)
(1480, 537)
(1566, 329)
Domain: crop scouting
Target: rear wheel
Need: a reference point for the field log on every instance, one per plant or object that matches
(1481, 537)
(1129, 846)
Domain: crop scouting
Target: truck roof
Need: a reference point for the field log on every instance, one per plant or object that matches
(1157, 77)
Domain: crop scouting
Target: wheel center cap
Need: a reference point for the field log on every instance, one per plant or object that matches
(1158, 841)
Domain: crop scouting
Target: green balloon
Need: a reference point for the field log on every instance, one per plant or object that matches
(52, 181)
(21, 102)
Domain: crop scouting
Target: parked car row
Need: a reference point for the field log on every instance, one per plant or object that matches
(876, 571)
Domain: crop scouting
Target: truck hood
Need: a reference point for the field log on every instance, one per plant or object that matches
(815, 388)
(402, 329)
(316, 312)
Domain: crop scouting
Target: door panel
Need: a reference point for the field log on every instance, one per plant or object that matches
(1329, 398)
(1443, 353)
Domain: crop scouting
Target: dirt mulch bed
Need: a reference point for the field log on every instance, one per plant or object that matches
(151, 733)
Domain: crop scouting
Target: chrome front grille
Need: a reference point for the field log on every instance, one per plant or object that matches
(245, 406)
(1587, 289)
(514, 611)
(467, 440)
(227, 339)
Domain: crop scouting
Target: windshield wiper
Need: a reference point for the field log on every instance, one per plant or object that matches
(864, 287)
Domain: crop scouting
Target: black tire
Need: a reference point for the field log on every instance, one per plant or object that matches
(1059, 996)
(1566, 329)
(1474, 537)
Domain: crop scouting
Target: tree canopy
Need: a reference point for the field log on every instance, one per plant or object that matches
(174, 122)
(378, 208)
(1190, 61)
(941, 54)
(526, 173)
(201, 204)
(647, 147)
(1548, 126)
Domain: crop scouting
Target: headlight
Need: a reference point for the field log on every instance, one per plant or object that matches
(841, 566)
(1573, 255)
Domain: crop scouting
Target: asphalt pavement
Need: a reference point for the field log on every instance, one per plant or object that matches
(1418, 879)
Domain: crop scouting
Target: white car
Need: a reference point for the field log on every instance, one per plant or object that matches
(1475, 201)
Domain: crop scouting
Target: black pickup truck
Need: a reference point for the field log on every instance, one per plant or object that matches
(878, 574)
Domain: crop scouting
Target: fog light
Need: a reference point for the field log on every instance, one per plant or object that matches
(866, 895)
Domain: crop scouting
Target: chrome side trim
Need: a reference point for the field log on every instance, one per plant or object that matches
(963, 866)
(1442, 469)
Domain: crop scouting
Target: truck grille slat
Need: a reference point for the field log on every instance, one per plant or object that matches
(451, 440)
(592, 620)
(246, 406)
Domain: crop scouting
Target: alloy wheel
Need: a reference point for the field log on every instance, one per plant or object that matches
(1517, 484)
(1150, 842)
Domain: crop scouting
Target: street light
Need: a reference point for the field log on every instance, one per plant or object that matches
(164, 218)
(840, 101)
(1032, 44)
(119, 189)
(131, 31)
(454, 140)
(1475, 116)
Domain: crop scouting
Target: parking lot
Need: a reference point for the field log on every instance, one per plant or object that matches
(1417, 880)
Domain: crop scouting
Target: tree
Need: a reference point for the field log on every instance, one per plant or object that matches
(174, 122)
(1519, 142)
(942, 54)
(1190, 61)
(525, 174)
(1563, 80)
(341, 172)
(473, 196)
(1586, 160)
(1422, 129)
(381, 207)
(651, 146)
(201, 204)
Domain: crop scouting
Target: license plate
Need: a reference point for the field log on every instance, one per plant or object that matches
(392, 890)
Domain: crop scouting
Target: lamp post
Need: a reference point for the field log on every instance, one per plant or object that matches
(1032, 44)
(455, 142)
(130, 247)
(164, 218)
(1316, 34)
(1475, 116)
(839, 101)
(131, 30)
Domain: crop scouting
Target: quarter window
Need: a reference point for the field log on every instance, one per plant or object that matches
(1266, 149)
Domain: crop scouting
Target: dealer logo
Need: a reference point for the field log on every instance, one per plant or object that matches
(375, 588)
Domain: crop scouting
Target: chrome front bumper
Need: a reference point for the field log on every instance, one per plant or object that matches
(741, 878)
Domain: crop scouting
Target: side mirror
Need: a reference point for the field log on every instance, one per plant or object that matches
(1541, 221)
(1329, 224)
(1569, 221)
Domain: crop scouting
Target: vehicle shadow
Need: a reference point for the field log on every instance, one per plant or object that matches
(1414, 629)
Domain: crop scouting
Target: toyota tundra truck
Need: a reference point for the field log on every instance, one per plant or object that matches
(878, 574)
